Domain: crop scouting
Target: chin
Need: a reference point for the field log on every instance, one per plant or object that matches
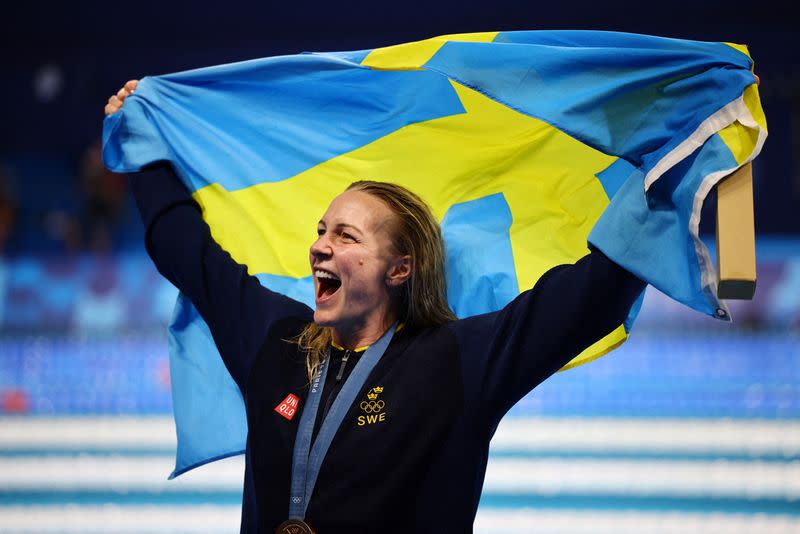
(324, 318)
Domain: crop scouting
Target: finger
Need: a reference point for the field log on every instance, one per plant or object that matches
(113, 105)
(130, 85)
(122, 94)
(758, 80)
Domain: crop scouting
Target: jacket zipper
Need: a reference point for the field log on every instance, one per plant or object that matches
(335, 389)
(340, 374)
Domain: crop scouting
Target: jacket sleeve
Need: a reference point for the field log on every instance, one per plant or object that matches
(507, 353)
(236, 307)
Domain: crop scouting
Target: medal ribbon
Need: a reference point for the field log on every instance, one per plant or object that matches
(305, 464)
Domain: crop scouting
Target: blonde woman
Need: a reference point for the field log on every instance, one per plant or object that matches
(373, 412)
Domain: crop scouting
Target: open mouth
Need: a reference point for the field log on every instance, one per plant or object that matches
(327, 284)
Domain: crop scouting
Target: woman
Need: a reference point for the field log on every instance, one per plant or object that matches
(404, 425)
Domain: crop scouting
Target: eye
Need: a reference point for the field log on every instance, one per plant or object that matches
(348, 237)
(320, 231)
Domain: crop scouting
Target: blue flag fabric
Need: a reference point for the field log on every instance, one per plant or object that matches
(522, 143)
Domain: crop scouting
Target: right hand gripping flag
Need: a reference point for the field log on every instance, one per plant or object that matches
(522, 143)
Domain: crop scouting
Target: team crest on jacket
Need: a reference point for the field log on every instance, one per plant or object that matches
(372, 408)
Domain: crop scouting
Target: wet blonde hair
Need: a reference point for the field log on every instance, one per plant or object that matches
(422, 300)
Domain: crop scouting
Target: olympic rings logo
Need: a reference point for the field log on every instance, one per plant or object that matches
(372, 406)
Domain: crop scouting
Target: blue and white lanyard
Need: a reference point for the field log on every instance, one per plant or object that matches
(305, 465)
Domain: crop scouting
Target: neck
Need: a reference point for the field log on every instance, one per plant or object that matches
(359, 336)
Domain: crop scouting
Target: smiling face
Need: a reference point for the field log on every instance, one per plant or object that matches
(355, 268)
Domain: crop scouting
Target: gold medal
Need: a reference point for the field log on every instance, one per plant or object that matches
(294, 526)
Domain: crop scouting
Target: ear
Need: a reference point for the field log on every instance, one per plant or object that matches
(399, 271)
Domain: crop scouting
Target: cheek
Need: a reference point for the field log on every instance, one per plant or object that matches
(365, 277)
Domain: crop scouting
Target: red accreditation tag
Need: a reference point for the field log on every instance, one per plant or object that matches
(288, 407)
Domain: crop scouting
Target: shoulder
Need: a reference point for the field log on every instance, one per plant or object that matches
(430, 337)
(281, 335)
(279, 358)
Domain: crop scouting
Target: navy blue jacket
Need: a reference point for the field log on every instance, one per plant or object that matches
(417, 464)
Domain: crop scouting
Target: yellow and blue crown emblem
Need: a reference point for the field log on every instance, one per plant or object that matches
(374, 392)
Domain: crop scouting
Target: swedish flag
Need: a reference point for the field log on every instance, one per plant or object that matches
(522, 143)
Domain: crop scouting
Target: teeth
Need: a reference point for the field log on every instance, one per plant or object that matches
(323, 274)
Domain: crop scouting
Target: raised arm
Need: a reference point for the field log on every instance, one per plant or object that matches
(508, 353)
(236, 307)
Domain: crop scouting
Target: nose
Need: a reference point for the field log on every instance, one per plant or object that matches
(320, 249)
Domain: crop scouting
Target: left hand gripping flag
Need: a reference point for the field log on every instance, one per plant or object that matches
(522, 143)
